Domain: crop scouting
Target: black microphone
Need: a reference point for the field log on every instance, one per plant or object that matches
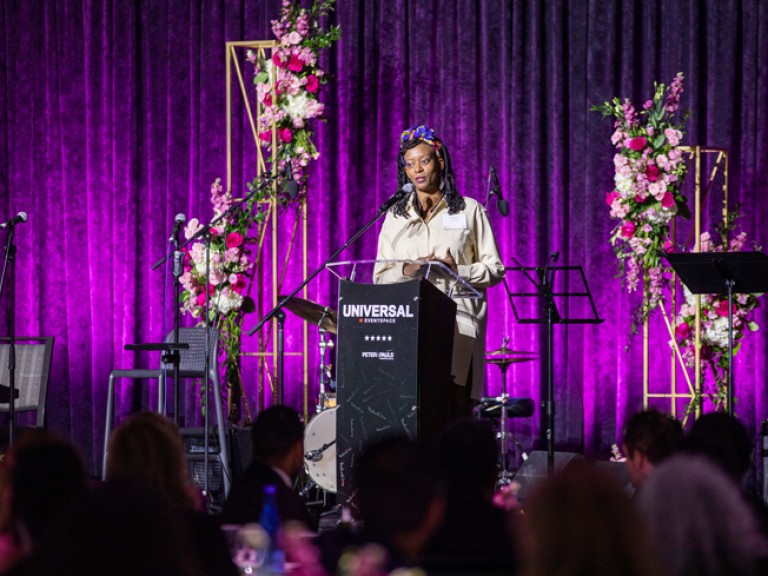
(501, 204)
(396, 197)
(18, 219)
(290, 186)
(177, 224)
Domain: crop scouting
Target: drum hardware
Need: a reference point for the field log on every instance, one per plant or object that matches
(317, 455)
(320, 449)
(508, 406)
(323, 344)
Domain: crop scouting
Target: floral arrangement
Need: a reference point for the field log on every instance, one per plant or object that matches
(229, 267)
(293, 100)
(648, 172)
(714, 326)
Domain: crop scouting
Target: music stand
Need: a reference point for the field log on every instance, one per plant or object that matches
(722, 273)
(545, 291)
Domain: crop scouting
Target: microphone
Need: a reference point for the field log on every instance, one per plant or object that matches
(18, 219)
(396, 197)
(501, 204)
(177, 224)
(289, 185)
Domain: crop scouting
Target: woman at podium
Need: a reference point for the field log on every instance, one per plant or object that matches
(435, 223)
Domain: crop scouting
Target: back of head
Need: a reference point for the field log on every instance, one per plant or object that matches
(581, 522)
(275, 432)
(724, 440)
(147, 448)
(699, 520)
(396, 486)
(47, 480)
(467, 458)
(652, 433)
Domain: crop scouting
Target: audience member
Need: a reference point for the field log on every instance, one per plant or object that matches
(722, 439)
(47, 481)
(125, 529)
(398, 499)
(649, 437)
(699, 521)
(474, 533)
(581, 523)
(147, 449)
(278, 457)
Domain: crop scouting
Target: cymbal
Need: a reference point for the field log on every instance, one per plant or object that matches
(506, 361)
(506, 351)
(322, 316)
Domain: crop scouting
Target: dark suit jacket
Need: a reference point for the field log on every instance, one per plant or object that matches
(247, 495)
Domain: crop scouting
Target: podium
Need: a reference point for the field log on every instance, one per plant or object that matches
(393, 368)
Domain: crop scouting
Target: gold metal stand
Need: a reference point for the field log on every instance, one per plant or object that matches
(284, 226)
(703, 186)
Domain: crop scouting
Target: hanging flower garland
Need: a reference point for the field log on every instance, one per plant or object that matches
(649, 169)
(297, 76)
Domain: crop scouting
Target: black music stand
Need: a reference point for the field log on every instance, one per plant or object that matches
(544, 291)
(722, 273)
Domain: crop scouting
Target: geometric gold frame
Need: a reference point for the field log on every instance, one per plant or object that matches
(703, 184)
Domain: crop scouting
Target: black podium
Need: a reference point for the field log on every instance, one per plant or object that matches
(393, 370)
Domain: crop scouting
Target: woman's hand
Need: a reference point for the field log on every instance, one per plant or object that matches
(448, 261)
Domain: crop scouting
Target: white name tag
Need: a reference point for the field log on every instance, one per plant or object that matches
(454, 221)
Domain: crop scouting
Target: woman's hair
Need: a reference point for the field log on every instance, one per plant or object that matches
(410, 139)
(147, 448)
(582, 523)
(699, 519)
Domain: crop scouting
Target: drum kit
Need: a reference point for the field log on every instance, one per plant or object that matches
(320, 433)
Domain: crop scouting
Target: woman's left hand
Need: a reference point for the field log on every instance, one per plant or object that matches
(449, 261)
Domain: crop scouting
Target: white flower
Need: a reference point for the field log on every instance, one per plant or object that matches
(296, 106)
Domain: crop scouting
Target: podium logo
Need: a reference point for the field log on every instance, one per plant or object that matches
(376, 311)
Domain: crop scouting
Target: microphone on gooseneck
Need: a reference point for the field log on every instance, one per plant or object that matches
(396, 197)
(501, 204)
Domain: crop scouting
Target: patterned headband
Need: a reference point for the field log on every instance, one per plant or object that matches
(421, 133)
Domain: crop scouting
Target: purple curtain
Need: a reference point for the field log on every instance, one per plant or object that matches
(112, 121)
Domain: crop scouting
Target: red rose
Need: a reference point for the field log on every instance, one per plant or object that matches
(668, 200)
(313, 84)
(277, 61)
(628, 229)
(610, 197)
(265, 136)
(722, 308)
(668, 247)
(295, 64)
(234, 239)
(682, 331)
(239, 285)
(285, 134)
(652, 172)
(637, 143)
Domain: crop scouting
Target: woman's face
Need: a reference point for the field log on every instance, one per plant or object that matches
(423, 168)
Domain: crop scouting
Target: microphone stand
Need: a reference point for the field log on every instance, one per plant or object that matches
(277, 310)
(174, 356)
(205, 233)
(10, 256)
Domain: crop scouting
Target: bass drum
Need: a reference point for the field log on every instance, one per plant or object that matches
(321, 464)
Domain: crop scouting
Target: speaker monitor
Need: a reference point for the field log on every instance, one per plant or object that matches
(240, 450)
(194, 447)
(534, 469)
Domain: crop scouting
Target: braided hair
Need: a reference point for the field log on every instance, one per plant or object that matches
(410, 139)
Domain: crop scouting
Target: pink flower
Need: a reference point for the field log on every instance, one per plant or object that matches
(234, 239)
(722, 308)
(295, 64)
(313, 84)
(668, 246)
(682, 331)
(611, 196)
(648, 104)
(637, 143)
(277, 61)
(652, 172)
(265, 136)
(668, 200)
(673, 136)
(628, 229)
(200, 301)
(285, 134)
(239, 284)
